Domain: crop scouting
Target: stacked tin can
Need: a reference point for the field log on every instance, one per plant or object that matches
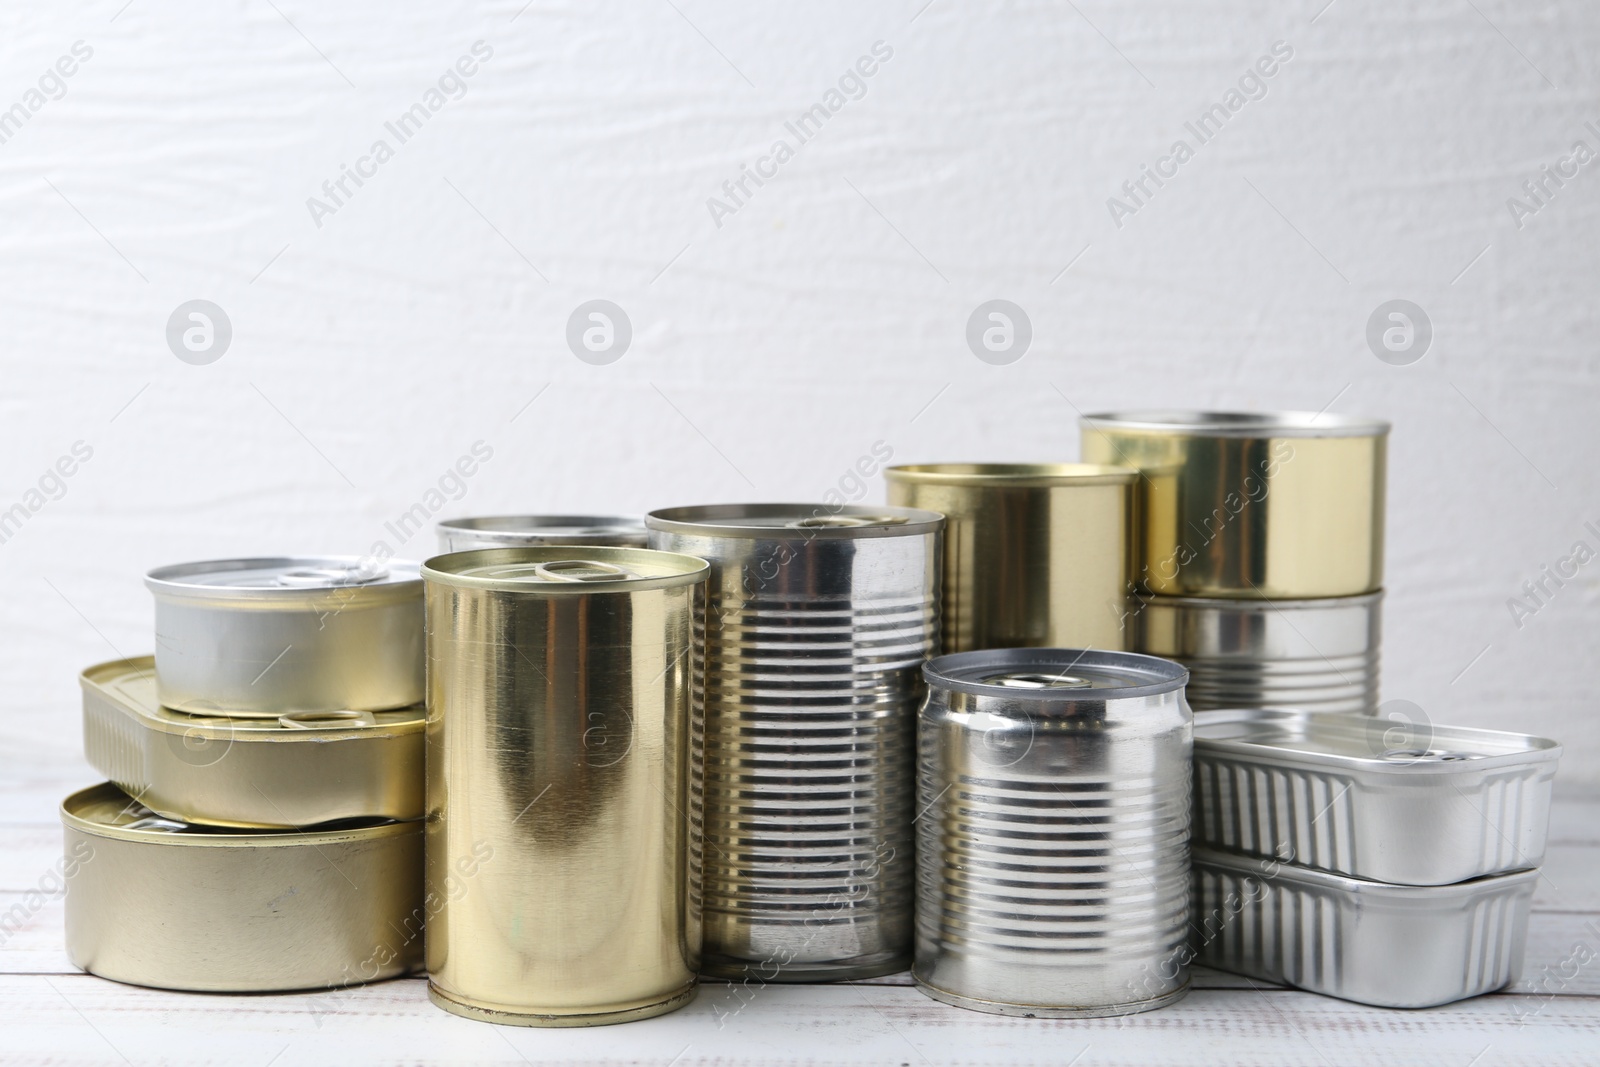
(1386, 865)
(261, 828)
(1261, 551)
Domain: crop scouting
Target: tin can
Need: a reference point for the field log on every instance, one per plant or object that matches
(560, 705)
(1393, 946)
(511, 531)
(818, 619)
(154, 902)
(1417, 805)
(1321, 655)
(296, 770)
(267, 636)
(1035, 554)
(1053, 844)
(1277, 505)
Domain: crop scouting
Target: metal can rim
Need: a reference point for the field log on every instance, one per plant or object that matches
(1165, 676)
(1528, 748)
(447, 569)
(1258, 604)
(701, 520)
(1265, 425)
(510, 527)
(217, 837)
(402, 580)
(1270, 870)
(1011, 474)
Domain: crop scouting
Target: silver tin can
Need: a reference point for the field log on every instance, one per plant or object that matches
(1416, 805)
(1394, 946)
(269, 636)
(1053, 839)
(515, 531)
(818, 619)
(1316, 654)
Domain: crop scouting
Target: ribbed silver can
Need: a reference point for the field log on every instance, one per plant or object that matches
(1053, 839)
(1320, 655)
(818, 619)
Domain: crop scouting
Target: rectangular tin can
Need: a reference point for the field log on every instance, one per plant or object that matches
(1320, 655)
(560, 709)
(154, 902)
(1053, 839)
(1393, 946)
(274, 635)
(1285, 505)
(817, 622)
(297, 770)
(1035, 554)
(1405, 803)
(512, 531)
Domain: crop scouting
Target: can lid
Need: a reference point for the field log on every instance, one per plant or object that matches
(800, 521)
(1055, 673)
(558, 569)
(1263, 424)
(513, 528)
(279, 577)
(1368, 744)
(1020, 475)
(105, 811)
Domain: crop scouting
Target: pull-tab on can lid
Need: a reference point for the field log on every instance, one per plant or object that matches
(794, 521)
(279, 576)
(562, 569)
(1037, 680)
(1055, 674)
(322, 720)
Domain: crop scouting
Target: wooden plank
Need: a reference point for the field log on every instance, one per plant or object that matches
(85, 1020)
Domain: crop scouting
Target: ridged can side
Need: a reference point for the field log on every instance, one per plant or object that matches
(1321, 655)
(814, 634)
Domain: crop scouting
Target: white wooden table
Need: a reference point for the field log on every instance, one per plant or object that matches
(53, 1014)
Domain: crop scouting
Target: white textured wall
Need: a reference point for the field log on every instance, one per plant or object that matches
(826, 314)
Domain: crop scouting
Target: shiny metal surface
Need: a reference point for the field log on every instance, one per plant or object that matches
(268, 636)
(1409, 804)
(1053, 844)
(1275, 505)
(1321, 655)
(817, 622)
(1394, 946)
(560, 686)
(1035, 554)
(511, 531)
(293, 771)
(153, 902)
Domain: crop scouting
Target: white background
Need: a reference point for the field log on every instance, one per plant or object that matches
(770, 353)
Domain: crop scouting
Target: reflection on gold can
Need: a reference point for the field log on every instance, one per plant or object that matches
(1273, 505)
(560, 848)
(1036, 554)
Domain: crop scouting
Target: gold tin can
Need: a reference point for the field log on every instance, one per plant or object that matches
(155, 902)
(561, 705)
(1283, 505)
(1035, 554)
(292, 771)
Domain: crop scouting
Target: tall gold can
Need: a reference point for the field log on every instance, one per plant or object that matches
(561, 697)
(1278, 505)
(1035, 554)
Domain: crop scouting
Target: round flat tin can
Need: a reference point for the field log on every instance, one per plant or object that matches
(274, 635)
(295, 770)
(1278, 505)
(512, 531)
(158, 903)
